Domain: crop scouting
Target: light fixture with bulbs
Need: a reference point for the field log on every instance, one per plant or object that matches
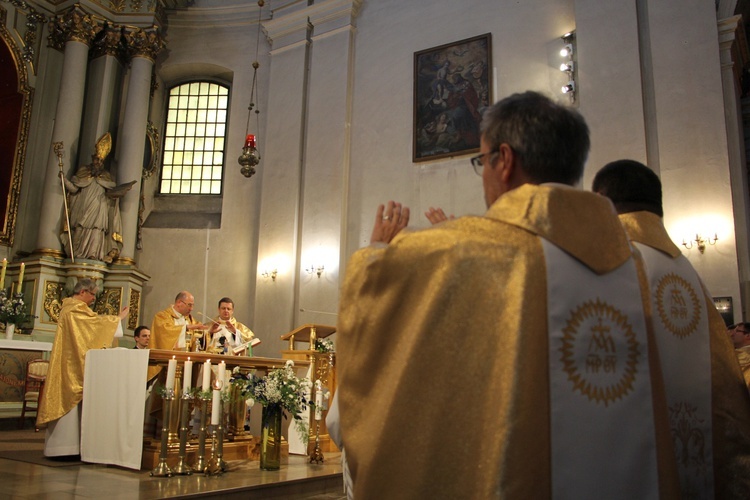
(568, 66)
(315, 268)
(700, 242)
(270, 274)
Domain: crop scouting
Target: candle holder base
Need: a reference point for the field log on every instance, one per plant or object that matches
(162, 470)
(182, 469)
(317, 455)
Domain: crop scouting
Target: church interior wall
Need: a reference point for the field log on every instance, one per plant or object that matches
(221, 263)
(335, 136)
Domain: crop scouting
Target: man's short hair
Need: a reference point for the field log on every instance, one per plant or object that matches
(86, 284)
(631, 185)
(551, 140)
(181, 296)
(225, 300)
(137, 332)
(744, 325)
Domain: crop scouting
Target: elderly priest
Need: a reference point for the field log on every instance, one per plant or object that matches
(78, 330)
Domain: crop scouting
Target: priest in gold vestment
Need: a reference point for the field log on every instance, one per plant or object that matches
(447, 358)
(78, 330)
(234, 333)
(636, 193)
(170, 327)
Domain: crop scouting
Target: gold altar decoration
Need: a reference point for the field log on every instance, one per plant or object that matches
(235, 446)
(135, 306)
(53, 296)
(15, 172)
(108, 302)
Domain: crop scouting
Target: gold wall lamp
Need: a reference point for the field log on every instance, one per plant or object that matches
(700, 242)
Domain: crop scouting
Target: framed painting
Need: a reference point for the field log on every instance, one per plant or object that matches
(451, 90)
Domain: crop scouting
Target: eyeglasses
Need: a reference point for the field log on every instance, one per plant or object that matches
(189, 304)
(476, 161)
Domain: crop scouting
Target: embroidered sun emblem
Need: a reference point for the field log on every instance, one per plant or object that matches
(678, 305)
(600, 352)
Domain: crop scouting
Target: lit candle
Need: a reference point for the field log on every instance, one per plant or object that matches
(206, 375)
(187, 376)
(171, 371)
(250, 141)
(222, 373)
(2, 274)
(20, 278)
(216, 407)
(318, 400)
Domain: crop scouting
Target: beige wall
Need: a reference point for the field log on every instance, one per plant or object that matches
(336, 140)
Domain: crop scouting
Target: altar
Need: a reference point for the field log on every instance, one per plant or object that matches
(114, 398)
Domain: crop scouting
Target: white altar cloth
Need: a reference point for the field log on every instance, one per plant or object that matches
(114, 397)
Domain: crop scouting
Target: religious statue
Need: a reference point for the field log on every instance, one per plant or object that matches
(95, 208)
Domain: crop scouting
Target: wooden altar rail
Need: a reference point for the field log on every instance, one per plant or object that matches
(161, 357)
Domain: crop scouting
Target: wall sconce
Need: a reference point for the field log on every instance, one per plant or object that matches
(315, 269)
(700, 242)
(568, 66)
(270, 274)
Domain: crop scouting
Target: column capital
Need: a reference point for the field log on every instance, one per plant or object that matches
(74, 24)
(144, 43)
(108, 43)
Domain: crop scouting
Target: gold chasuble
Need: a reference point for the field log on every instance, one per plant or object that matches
(245, 334)
(165, 333)
(729, 399)
(443, 352)
(78, 330)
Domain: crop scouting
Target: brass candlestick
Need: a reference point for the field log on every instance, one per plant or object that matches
(213, 468)
(200, 465)
(317, 455)
(182, 468)
(162, 469)
(220, 437)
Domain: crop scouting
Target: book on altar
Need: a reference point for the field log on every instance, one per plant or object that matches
(244, 346)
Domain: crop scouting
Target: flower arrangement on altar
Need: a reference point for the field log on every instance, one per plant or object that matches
(324, 345)
(280, 388)
(13, 310)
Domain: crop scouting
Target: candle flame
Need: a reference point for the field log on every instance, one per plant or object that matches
(217, 384)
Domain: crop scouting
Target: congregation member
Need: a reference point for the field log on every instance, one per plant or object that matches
(142, 337)
(79, 329)
(227, 335)
(739, 334)
(708, 404)
(505, 355)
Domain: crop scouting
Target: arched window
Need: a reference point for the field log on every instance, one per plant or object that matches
(194, 138)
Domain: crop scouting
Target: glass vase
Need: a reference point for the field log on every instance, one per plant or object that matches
(270, 446)
(10, 329)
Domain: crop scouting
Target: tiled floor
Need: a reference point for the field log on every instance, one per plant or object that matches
(244, 479)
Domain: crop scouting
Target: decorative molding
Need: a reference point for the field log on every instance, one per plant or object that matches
(52, 304)
(75, 24)
(314, 15)
(108, 302)
(733, 46)
(135, 306)
(143, 43)
(7, 232)
(108, 43)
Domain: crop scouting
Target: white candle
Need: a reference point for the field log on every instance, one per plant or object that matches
(187, 376)
(318, 400)
(20, 278)
(2, 274)
(206, 375)
(222, 374)
(171, 371)
(216, 408)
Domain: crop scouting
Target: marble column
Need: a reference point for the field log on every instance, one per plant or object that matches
(144, 46)
(74, 30)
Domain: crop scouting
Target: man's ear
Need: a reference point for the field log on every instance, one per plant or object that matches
(506, 163)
